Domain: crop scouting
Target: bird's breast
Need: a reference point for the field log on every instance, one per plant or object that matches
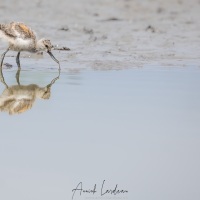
(23, 45)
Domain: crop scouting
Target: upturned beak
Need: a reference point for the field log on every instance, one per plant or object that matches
(52, 56)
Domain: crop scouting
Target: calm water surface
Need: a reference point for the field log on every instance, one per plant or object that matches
(137, 128)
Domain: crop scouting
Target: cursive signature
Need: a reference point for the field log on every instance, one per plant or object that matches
(115, 191)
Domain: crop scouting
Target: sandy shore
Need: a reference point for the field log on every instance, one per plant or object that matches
(114, 34)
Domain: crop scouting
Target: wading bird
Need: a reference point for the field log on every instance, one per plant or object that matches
(21, 38)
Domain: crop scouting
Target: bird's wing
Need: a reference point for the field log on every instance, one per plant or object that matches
(18, 30)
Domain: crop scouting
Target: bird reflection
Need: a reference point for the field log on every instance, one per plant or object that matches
(19, 98)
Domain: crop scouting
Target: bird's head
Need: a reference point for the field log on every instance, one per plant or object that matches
(45, 45)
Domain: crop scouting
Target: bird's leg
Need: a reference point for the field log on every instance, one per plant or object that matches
(17, 60)
(2, 78)
(2, 56)
(18, 75)
(19, 68)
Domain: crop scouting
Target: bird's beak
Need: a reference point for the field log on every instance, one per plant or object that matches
(52, 56)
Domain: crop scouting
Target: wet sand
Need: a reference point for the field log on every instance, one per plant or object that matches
(115, 34)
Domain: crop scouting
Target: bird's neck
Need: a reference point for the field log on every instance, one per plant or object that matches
(38, 45)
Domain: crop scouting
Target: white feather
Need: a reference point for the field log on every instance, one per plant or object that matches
(23, 44)
(5, 37)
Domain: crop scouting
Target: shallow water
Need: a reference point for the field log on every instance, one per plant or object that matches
(136, 128)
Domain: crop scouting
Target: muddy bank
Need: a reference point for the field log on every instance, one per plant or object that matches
(114, 34)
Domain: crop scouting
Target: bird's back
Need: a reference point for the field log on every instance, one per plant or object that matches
(20, 36)
(17, 30)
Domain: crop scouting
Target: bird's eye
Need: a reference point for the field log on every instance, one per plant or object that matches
(46, 46)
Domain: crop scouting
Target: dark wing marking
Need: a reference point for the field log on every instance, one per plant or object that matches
(7, 29)
(25, 31)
